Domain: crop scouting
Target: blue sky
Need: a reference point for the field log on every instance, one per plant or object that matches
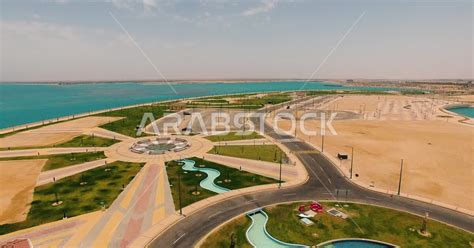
(79, 40)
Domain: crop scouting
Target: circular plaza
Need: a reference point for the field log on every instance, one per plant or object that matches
(160, 145)
(159, 148)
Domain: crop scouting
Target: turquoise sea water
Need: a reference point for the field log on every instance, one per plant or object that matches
(26, 103)
(466, 111)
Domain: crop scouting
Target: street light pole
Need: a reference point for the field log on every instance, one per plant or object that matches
(400, 180)
(352, 160)
(322, 143)
(279, 181)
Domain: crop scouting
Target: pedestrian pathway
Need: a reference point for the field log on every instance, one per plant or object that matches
(146, 201)
(104, 133)
(48, 151)
(244, 142)
(51, 175)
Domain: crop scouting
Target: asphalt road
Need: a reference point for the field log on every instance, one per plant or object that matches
(325, 183)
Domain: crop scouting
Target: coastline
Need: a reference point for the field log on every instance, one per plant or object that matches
(184, 81)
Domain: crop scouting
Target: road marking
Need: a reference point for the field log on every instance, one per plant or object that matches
(373, 198)
(217, 213)
(254, 200)
(182, 235)
(289, 194)
(307, 152)
(329, 180)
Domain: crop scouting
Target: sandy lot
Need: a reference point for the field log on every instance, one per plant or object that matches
(54, 134)
(437, 154)
(388, 107)
(18, 181)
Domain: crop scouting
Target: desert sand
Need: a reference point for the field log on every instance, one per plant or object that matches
(54, 134)
(18, 181)
(437, 154)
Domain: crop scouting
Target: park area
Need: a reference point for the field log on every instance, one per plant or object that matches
(82, 193)
(269, 153)
(191, 190)
(131, 118)
(243, 101)
(365, 221)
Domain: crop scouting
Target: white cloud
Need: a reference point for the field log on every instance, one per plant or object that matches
(147, 5)
(61, 1)
(265, 6)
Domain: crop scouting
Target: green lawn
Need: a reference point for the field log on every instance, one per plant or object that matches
(101, 189)
(376, 223)
(267, 99)
(189, 181)
(132, 118)
(270, 153)
(234, 136)
(63, 160)
(221, 238)
(88, 141)
(245, 101)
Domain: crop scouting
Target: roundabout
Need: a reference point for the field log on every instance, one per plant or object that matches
(159, 148)
(160, 145)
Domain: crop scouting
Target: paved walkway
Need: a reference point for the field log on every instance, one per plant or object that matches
(48, 151)
(146, 206)
(146, 201)
(49, 176)
(244, 142)
(104, 133)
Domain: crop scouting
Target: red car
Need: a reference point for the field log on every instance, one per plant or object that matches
(316, 207)
(302, 208)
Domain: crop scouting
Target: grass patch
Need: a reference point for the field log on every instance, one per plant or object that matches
(230, 136)
(245, 101)
(269, 153)
(63, 160)
(267, 99)
(221, 238)
(88, 141)
(79, 141)
(132, 118)
(212, 100)
(190, 182)
(77, 199)
(377, 223)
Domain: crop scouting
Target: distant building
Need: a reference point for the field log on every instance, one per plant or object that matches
(349, 81)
